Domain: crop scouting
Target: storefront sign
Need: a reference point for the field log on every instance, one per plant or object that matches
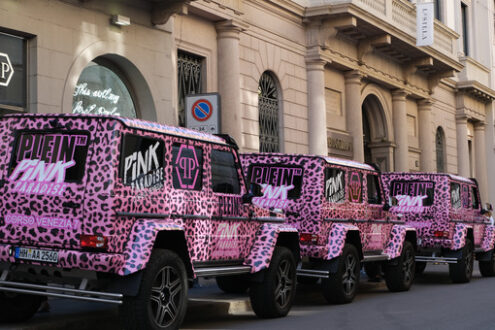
(100, 91)
(339, 144)
(203, 112)
(13, 86)
(6, 69)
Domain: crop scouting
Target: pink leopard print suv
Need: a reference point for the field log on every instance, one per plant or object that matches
(129, 212)
(339, 209)
(447, 214)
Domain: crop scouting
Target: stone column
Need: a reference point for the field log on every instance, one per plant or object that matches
(317, 115)
(354, 112)
(480, 159)
(426, 141)
(462, 146)
(400, 131)
(229, 79)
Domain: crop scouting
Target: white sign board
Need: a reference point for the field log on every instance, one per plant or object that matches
(425, 12)
(203, 112)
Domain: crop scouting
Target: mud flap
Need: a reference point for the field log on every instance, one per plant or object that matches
(484, 256)
(127, 285)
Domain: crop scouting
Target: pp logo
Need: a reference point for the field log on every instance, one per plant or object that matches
(187, 167)
(6, 70)
(355, 187)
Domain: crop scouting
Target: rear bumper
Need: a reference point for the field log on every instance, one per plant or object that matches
(432, 243)
(72, 259)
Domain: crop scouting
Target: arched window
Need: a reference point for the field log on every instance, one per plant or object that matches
(440, 146)
(268, 113)
(103, 90)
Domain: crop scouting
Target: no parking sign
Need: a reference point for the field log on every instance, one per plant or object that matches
(203, 112)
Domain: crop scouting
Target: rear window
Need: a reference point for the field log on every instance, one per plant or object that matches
(334, 185)
(455, 195)
(53, 156)
(141, 163)
(413, 193)
(278, 181)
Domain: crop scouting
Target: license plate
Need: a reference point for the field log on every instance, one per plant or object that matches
(36, 255)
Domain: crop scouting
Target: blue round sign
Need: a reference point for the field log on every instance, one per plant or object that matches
(202, 110)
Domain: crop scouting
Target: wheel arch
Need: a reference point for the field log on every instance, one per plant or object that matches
(354, 238)
(175, 240)
(290, 240)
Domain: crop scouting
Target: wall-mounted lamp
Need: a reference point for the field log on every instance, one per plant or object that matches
(120, 20)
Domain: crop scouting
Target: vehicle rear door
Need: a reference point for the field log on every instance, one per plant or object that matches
(44, 179)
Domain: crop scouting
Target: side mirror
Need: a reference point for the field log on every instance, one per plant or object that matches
(247, 198)
(255, 189)
(386, 206)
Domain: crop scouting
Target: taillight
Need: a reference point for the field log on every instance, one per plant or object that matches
(441, 234)
(306, 238)
(94, 241)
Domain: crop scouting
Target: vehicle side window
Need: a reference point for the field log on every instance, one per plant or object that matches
(334, 185)
(355, 187)
(374, 196)
(142, 162)
(455, 195)
(187, 166)
(475, 203)
(225, 178)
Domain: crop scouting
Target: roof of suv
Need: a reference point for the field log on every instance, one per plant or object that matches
(140, 124)
(452, 176)
(329, 160)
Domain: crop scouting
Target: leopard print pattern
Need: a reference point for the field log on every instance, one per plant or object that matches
(460, 234)
(336, 240)
(395, 244)
(312, 213)
(214, 224)
(488, 239)
(266, 239)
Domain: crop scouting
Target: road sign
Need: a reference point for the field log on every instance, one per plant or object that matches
(203, 112)
(6, 69)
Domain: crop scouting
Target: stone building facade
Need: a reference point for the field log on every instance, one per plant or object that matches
(337, 77)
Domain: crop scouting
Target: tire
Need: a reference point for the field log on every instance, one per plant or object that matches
(307, 280)
(18, 307)
(420, 267)
(162, 297)
(232, 284)
(341, 287)
(274, 296)
(487, 268)
(399, 276)
(462, 271)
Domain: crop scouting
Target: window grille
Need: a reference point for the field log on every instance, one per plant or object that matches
(189, 74)
(268, 113)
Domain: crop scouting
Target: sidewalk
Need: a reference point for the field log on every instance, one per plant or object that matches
(205, 299)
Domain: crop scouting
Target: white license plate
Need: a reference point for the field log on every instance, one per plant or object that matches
(36, 255)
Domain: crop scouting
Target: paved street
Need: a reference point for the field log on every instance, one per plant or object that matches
(432, 303)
